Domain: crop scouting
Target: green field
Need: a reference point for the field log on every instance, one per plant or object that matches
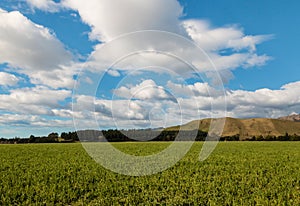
(236, 173)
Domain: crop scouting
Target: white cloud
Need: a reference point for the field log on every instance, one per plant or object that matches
(113, 73)
(123, 113)
(28, 45)
(196, 89)
(21, 120)
(109, 19)
(132, 113)
(144, 49)
(56, 78)
(286, 97)
(146, 90)
(215, 39)
(37, 100)
(231, 39)
(46, 5)
(33, 50)
(7, 79)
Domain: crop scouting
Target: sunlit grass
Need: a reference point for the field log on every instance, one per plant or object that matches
(241, 173)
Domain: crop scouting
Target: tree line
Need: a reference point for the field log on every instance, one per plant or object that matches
(138, 135)
(51, 138)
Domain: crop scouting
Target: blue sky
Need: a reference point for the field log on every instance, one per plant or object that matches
(259, 17)
(47, 47)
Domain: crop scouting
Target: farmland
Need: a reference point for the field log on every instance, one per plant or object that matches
(236, 173)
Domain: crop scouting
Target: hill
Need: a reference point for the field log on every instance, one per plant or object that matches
(246, 128)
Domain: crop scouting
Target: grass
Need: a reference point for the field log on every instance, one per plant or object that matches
(236, 173)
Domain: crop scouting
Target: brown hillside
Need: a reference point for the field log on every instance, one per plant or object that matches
(247, 127)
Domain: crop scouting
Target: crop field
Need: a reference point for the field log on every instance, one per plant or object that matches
(236, 173)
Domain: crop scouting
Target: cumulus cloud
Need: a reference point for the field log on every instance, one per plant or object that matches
(196, 89)
(223, 48)
(33, 50)
(22, 120)
(215, 39)
(46, 5)
(285, 98)
(146, 90)
(28, 45)
(37, 100)
(120, 113)
(109, 19)
(259, 103)
(57, 78)
(205, 103)
(7, 79)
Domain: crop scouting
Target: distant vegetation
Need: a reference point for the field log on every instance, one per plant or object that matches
(139, 135)
(51, 138)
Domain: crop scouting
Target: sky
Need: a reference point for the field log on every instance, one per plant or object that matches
(69, 65)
